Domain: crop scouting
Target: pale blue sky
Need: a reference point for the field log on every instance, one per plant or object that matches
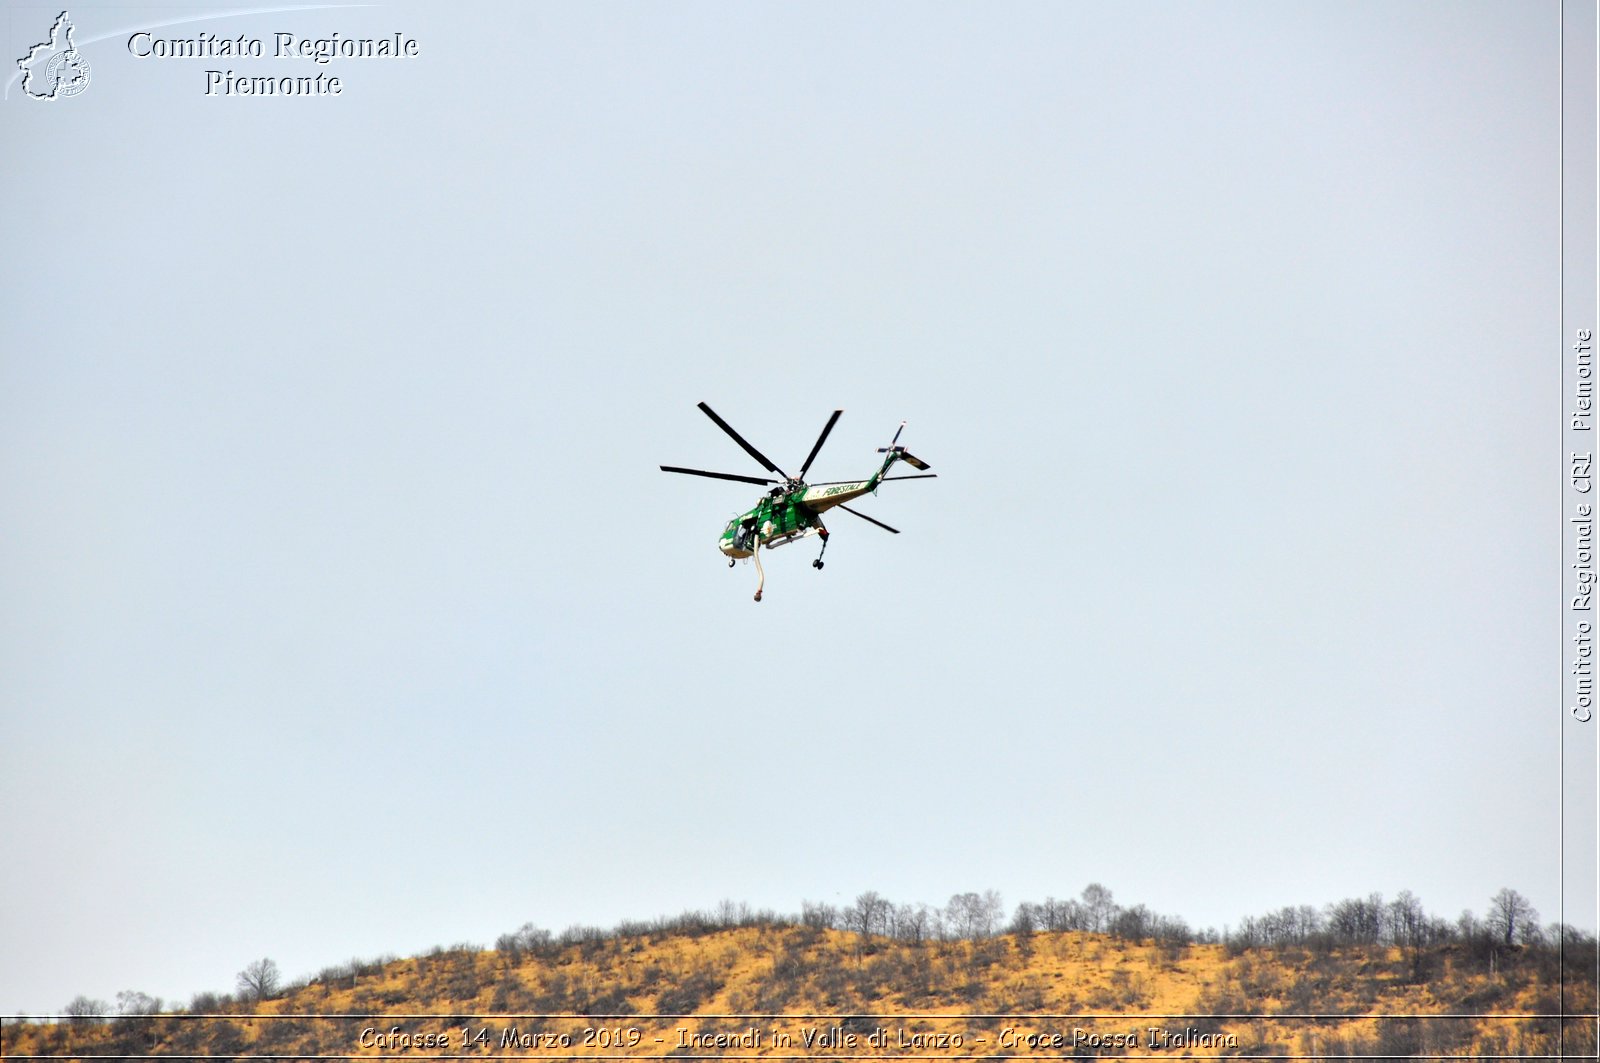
(346, 611)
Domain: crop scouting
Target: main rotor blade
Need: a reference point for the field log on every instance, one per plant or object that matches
(825, 430)
(836, 483)
(739, 439)
(718, 475)
(870, 520)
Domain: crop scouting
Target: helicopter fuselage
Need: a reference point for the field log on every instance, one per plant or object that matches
(790, 512)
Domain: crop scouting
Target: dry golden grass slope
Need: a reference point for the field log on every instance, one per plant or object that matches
(785, 990)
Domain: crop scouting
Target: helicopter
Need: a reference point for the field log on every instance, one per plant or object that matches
(793, 508)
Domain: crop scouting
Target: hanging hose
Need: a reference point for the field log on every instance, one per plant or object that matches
(755, 552)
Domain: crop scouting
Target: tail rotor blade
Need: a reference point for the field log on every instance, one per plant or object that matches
(869, 520)
(820, 440)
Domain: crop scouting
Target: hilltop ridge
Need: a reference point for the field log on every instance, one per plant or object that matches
(860, 982)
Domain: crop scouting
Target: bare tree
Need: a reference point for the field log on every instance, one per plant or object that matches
(204, 1002)
(961, 914)
(869, 916)
(1357, 921)
(86, 1012)
(912, 923)
(1098, 908)
(1133, 924)
(1059, 915)
(1511, 916)
(731, 913)
(974, 916)
(1172, 931)
(1409, 927)
(1290, 925)
(259, 980)
(526, 938)
(133, 1002)
(135, 1008)
(990, 913)
(819, 916)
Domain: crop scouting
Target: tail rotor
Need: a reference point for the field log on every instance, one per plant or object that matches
(901, 452)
